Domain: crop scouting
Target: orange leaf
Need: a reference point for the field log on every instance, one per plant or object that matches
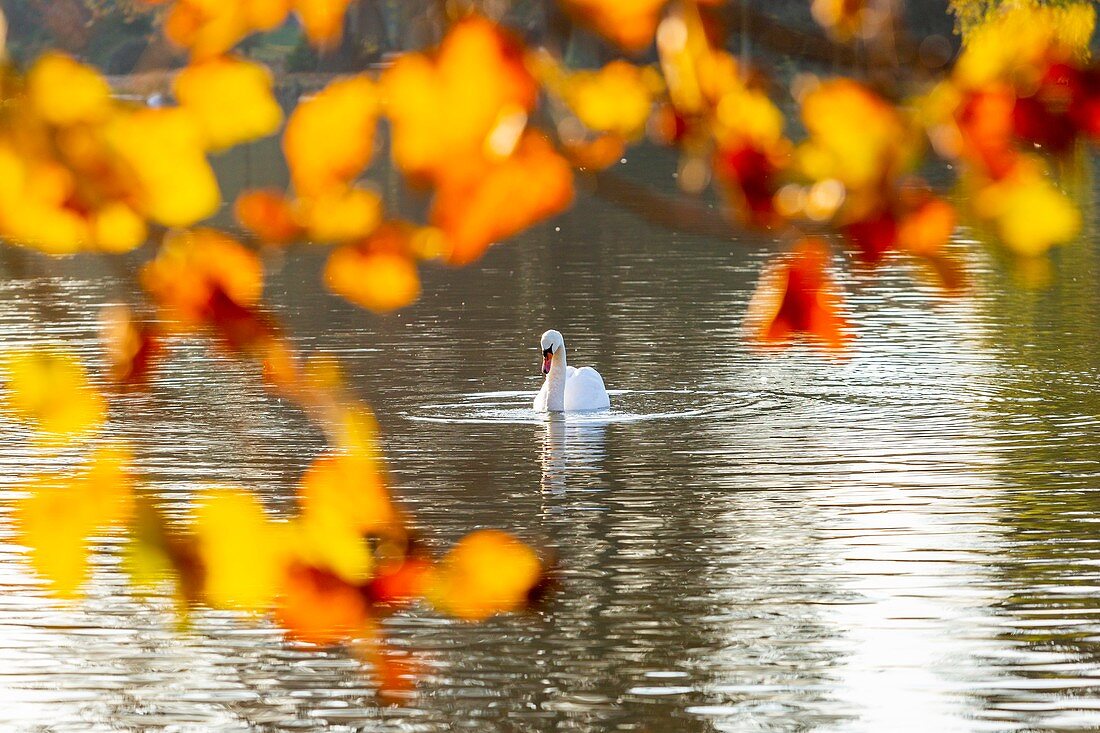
(794, 298)
(319, 607)
(381, 279)
(192, 270)
(209, 28)
(926, 229)
(486, 573)
(323, 20)
(629, 23)
(132, 347)
(471, 100)
(476, 210)
(267, 214)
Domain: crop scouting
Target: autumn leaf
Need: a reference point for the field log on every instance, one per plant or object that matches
(486, 573)
(268, 215)
(157, 552)
(399, 582)
(165, 150)
(133, 347)
(1027, 211)
(117, 228)
(343, 499)
(794, 298)
(106, 488)
(753, 177)
(210, 28)
(340, 215)
(614, 99)
(49, 389)
(859, 156)
(56, 530)
(474, 211)
(59, 515)
(874, 234)
(323, 20)
(844, 19)
(329, 137)
(627, 23)
(319, 607)
(231, 98)
(66, 92)
(467, 102)
(194, 270)
(927, 228)
(241, 549)
(377, 273)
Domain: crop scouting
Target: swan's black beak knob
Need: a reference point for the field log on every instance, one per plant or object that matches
(547, 356)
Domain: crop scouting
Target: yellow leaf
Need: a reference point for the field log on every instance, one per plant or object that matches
(117, 228)
(59, 515)
(329, 138)
(49, 389)
(615, 99)
(231, 98)
(858, 155)
(165, 150)
(241, 550)
(339, 215)
(1028, 212)
(56, 530)
(66, 92)
(343, 500)
(106, 487)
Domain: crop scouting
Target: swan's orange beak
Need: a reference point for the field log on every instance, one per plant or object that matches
(547, 356)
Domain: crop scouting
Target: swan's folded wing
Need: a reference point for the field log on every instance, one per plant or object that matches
(585, 391)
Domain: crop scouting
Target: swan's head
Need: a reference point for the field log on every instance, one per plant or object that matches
(550, 343)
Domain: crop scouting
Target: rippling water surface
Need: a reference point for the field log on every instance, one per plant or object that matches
(903, 539)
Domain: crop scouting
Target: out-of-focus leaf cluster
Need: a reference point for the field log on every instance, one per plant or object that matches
(326, 573)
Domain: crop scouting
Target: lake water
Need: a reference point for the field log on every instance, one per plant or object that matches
(905, 539)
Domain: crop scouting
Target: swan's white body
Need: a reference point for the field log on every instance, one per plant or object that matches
(566, 388)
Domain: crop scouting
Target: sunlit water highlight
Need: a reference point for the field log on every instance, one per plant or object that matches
(904, 539)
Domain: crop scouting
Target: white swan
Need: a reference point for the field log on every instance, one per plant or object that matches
(566, 388)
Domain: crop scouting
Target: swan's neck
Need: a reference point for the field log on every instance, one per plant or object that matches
(555, 382)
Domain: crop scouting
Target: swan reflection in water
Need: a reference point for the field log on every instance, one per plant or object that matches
(571, 449)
